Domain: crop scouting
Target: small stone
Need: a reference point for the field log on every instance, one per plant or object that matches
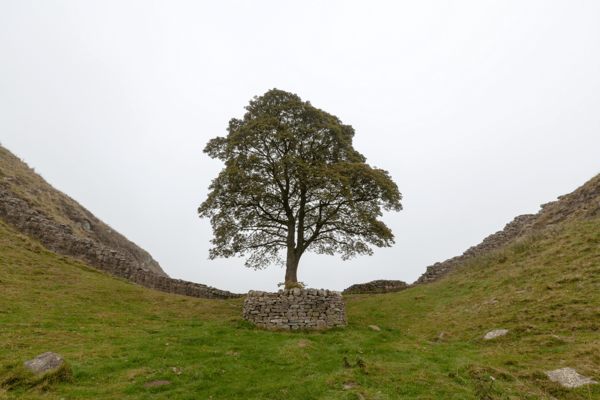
(350, 385)
(43, 363)
(564, 338)
(494, 333)
(156, 383)
(375, 327)
(569, 378)
(442, 335)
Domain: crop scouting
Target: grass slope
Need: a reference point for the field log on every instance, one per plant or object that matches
(31, 187)
(117, 336)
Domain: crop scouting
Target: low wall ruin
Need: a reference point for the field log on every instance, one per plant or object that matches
(295, 309)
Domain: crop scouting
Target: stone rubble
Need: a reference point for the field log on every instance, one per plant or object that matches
(295, 309)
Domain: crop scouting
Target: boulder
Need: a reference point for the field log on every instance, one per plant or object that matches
(569, 378)
(494, 333)
(43, 363)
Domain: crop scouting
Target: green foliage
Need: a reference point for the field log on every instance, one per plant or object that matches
(293, 181)
(291, 285)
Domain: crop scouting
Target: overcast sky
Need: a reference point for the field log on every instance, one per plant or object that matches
(481, 111)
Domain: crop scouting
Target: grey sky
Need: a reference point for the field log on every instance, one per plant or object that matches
(481, 111)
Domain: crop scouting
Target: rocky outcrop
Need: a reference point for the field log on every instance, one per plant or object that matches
(379, 286)
(295, 309)
(59, 238)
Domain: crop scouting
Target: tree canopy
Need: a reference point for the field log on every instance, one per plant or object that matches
(292, 181)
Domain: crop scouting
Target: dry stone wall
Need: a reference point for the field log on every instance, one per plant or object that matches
(379, 286)
(60, 239)
(493, 242)
(295, 309)
(582, 203)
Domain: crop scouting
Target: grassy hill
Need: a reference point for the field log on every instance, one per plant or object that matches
(26, 184)
(117, 336)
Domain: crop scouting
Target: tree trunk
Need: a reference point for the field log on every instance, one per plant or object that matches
(291, 268)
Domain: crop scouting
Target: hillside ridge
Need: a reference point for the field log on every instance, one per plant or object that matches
(59, 238)
(25, 184)
(62, 238)
(583, 203)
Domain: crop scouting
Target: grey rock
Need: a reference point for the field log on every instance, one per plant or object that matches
(43, 363)
(321, 324)
(569, 378)
(494, 333)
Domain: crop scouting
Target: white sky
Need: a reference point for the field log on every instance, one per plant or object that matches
(480, 110)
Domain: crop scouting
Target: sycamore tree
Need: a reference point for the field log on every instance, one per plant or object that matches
(293, 183)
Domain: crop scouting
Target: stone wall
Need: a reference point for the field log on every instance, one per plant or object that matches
(295, 309)
(60, 239)
(583, 203)
(493, 242)
(24, 183)
(380, 286)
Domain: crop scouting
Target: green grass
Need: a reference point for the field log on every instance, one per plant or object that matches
(545, 290)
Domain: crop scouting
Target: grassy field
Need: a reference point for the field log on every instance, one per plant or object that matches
(117, 336)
